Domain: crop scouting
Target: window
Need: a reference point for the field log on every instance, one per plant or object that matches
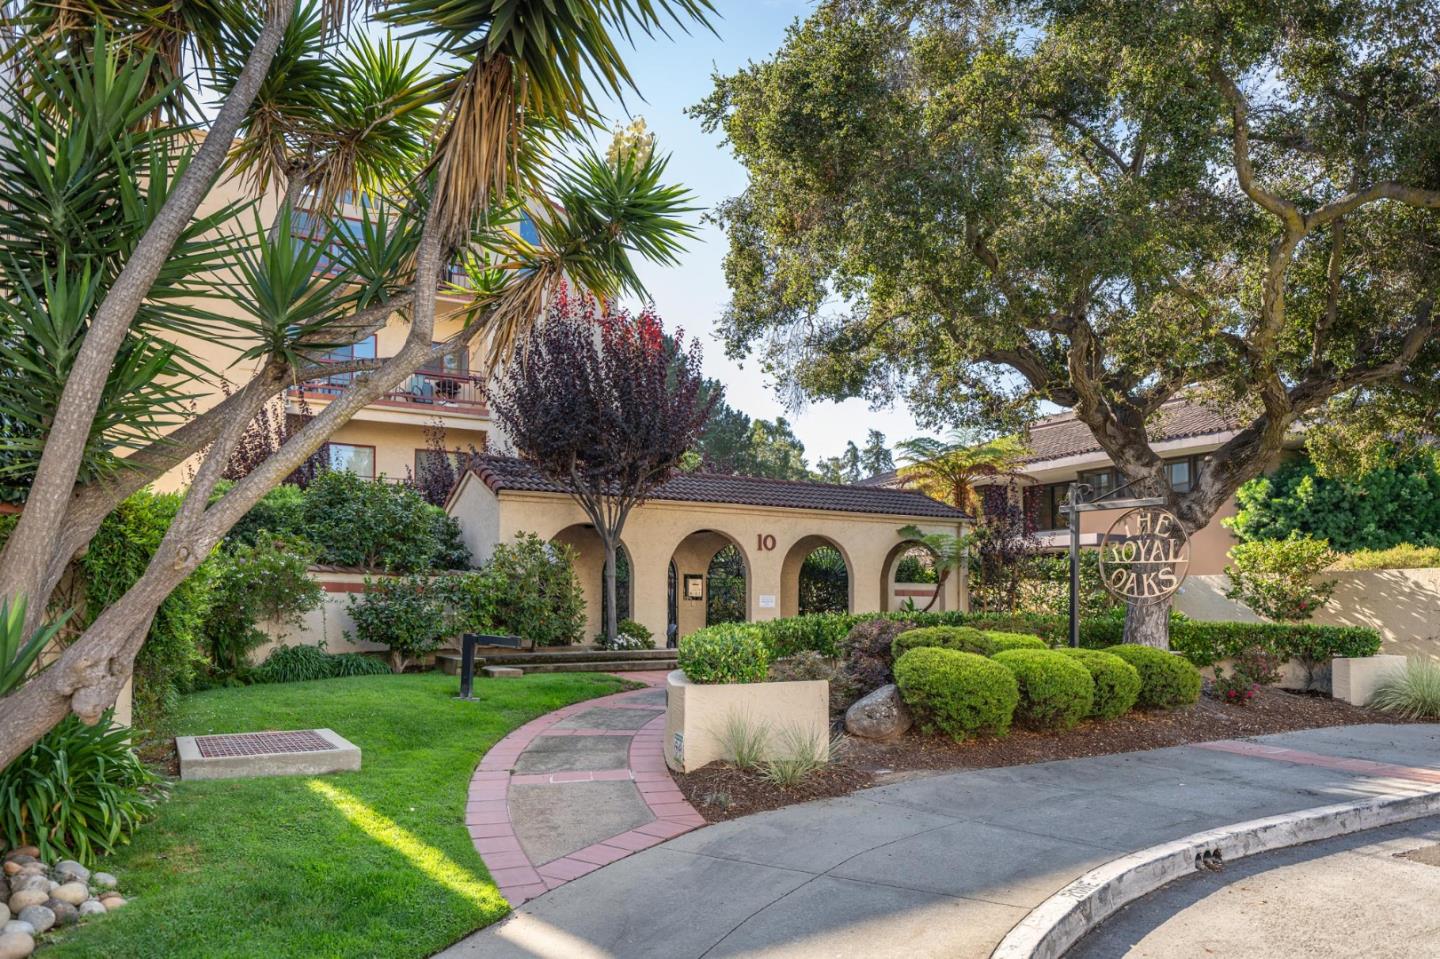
(364, 350)
(454, 364)
(359, 460)
(1042, 507)
(1102, 482)
(1181, 474)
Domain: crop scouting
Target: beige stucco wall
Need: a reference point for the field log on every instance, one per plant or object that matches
(328, 623)
(792, 717)
(691, 534)
(1403, 604)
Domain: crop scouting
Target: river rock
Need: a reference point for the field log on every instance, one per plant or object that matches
(26, 883)
(4, 913)
(111, 903)
(68, 870)
(91, 907)
(879, 715)
(38, 916)
(15, 925)
(103, 880)
(27, 897)
(72, 892)
(16, 945)
(65, 913)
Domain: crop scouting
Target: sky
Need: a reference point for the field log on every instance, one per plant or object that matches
(675, 73)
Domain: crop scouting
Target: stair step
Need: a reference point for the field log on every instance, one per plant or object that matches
(625, 666)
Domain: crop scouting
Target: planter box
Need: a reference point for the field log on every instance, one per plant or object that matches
(696, 716)
(1355, 680)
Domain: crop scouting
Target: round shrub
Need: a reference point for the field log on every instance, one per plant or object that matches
(1166, 680)
(1056, 692)
(1003, 641)
(959, 638)
(1117, 683)
(959, 694)
(726, 653)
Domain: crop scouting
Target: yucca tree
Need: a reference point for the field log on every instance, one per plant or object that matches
(107, 259)
(947, 469)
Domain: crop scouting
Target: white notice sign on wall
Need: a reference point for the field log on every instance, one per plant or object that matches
(767, 602)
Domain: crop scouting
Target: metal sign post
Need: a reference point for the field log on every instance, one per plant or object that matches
(1074, 506)
(468, 642)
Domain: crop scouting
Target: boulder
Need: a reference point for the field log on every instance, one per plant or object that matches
(91, 907)
(4, 913)
(15, 925)
(16, 945)
(26, 883)
(65, 914)
(68, 870)
(111, 903)
(103, 880)
(27, 897)
(72, 892)
(38, 916)
(879, 715)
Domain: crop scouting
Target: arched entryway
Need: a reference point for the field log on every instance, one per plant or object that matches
(909, 576)
(709, 581)
(815, 577)
(590, 570)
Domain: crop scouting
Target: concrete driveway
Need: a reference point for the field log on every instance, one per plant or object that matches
(940, 866)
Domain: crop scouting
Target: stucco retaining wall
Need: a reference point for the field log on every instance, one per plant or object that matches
(1403, 604)
(327, 623)
(697, 716)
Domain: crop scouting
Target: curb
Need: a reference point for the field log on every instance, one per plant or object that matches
(1058, 923)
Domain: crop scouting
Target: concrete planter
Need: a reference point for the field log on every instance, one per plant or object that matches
(697, 715)
(1355, 680)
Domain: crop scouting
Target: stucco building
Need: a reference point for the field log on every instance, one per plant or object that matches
(673, 539)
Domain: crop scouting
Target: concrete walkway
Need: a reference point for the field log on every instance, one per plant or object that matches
(576, 789)
(945, 865)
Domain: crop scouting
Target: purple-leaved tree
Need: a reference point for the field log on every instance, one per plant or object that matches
(597, 400)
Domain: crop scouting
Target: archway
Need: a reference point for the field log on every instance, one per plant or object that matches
(909, 576)
(815, 577)
(711, 576)
(590, 571)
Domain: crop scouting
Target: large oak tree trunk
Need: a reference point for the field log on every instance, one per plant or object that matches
(1148, 624)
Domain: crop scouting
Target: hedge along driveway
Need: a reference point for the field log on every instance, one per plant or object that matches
(374, 863)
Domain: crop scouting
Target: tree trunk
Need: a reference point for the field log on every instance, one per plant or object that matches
(612, 618)
(1148, 624)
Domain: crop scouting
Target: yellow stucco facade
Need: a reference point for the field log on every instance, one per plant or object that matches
(772, 541)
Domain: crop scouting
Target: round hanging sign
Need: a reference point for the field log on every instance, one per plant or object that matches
(1145, 555)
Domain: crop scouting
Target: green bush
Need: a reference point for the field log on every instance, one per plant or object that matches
(1003, 641)
(266, 579)
(1056, 692)
(407, 614)
(961, 638)
(298, 664)
(822, 633)
(631, 635)
(354, 521)
(958, 694)
(1166, 680)
(1279, 578)
(1205, 644)
(802, 667)
(726, 653)
(281, 510)
(1378, 510)
(1404, 556)
(1411, 693)
(537, 594)
(79, 793)
(1117, 683)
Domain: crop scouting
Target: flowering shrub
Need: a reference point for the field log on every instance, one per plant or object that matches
(630, 635)
(1251, 668)
(1277, 578)
(727, 653)
(406, 613)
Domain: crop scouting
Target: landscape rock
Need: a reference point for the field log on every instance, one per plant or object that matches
(24, 852)
(4, 913)
(38, 916)
(11, 868)
(91, 907)
(879, 715)
(26, 883)
(103, 880)
(72, 892)
(16, 945)
(15, 925)
(27, 897)
(68, 870)
(65, 913)
(112, 903)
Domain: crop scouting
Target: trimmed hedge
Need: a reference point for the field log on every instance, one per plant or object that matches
(1005, 641)
(823, 633)
(961, 638)
(1056, 692)
(959, 694)
(1166, 680)
(1117, 683)
(1207, 643)
(725, 653)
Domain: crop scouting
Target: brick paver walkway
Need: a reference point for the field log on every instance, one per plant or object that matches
(517, 829)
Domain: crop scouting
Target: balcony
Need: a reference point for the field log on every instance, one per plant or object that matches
(424, 391)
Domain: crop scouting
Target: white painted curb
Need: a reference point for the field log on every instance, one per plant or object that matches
(1057, 923)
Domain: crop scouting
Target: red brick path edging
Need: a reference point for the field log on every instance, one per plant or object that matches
(488, 817)
(1302, 758)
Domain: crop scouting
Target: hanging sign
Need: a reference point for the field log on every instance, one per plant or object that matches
(1145, 555)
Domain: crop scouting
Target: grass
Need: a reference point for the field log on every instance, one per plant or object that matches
(373, 863)
(1412, 693)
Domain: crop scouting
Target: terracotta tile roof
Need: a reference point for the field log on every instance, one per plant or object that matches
(1062, 435)
(508, 473)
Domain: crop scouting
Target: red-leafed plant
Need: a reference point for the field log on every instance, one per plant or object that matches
(598, 400)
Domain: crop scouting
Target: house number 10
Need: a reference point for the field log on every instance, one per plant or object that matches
(764, 542)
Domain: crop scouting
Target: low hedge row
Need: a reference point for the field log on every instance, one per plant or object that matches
(958, 694)
(1166, 680)
(1117, 683)
(1056, 692)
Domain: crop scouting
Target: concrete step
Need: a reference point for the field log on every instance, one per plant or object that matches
(582, 658)
(600, 666)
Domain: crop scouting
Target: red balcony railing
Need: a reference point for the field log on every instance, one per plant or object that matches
(426, 390)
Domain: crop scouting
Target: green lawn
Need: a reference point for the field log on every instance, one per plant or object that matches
(374, 863)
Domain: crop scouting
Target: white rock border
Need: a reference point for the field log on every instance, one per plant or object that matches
(1060, 921)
